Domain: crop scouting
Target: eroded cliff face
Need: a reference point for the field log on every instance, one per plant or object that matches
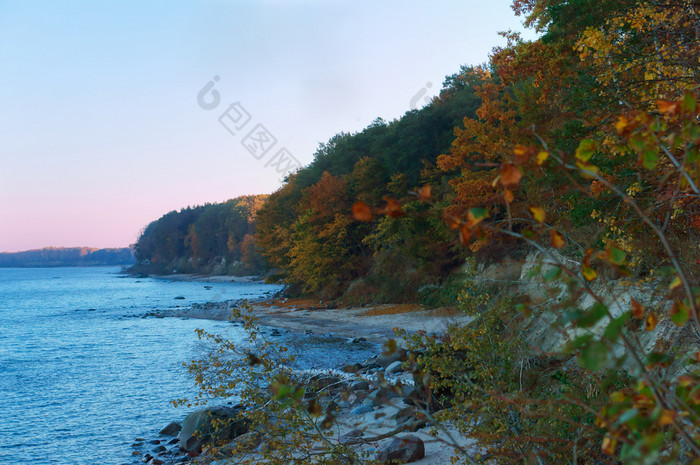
(549, 300)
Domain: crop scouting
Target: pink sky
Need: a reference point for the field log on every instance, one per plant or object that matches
(100, 130)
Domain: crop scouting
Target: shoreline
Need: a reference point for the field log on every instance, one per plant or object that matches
(374, 323)
(209, 278)
(363, 414)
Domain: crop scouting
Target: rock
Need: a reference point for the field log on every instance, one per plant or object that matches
(357, 340)
(404, 449)
(171, 430)
(353, 368)
(394, 367)
(350, 436)
(198, 427)
(160, 448)
(244, 442)
(386, 360)
(155, 461)
(362, 409)
(404, 415)
(146, 458)
(154, 441)
(173, 441)
(139, 439)
(360, 385)
(180, 297)
(382, 396)
(136, 453)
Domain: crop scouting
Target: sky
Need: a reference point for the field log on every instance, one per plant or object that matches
(113, 113)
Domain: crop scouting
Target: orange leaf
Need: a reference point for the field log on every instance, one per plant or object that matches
(667, 417)
(558, 240)
(452, 221)
(651, 322)
(668, 107)
(621, 125)
(508, 194)
(392, 209)
(524, 153)
(510, 175)
(465, 235)
(424, 193)
(637, 309)
(361, 211)
(538, 214)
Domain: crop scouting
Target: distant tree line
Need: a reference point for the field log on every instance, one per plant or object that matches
(208, 239)
(67, 256)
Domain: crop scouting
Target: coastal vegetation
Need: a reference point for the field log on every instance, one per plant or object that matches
(207, 239)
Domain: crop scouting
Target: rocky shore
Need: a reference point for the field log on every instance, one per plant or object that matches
(379, 408)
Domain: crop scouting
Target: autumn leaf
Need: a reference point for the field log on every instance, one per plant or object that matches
(558, 240)
(675, 283)
(508, 195)
(510, 175)
(621, 125)
(392, 209)
(314, 408)
(465, 235)
(585, 150)
(608, 445)
(361, 211)
(424, 193)
(668, 107)
(588, 273)
(680, 313)
(476, 216)
(538, 214)
(637, 309)
(588, 170)
(651, 322)
(523, 153)
(542, 157)
(667, 417)
(452, 221)
(615, 255)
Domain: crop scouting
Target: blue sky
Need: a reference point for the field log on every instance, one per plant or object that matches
(100, 129)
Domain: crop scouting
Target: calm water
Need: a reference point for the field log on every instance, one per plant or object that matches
(82, 374)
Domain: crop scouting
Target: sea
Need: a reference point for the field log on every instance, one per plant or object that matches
(84, 370)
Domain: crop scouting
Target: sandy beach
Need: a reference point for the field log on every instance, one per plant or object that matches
(375, 323)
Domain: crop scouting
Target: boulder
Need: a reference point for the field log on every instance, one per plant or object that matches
(384, 360)
(393, 367)
(404, 449)
(211, 425)
(359, 385)
(171, 430)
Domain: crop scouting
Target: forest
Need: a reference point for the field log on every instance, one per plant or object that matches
(597, 73)
(207, 239)
(67, 256)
